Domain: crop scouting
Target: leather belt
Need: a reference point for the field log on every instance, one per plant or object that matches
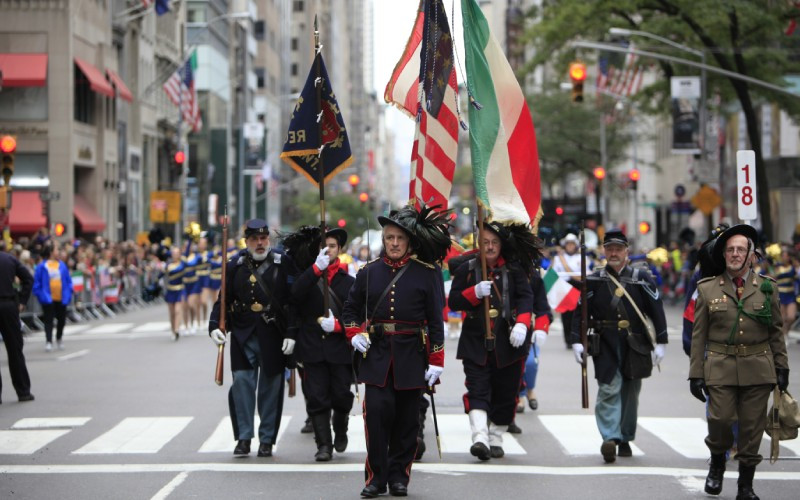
(395, 329)
(254, 307)
(602, 323)
(739, 350)
(493, 313)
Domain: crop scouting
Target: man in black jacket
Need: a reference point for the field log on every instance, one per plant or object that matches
(322, 347)
(261, 319)
(11, 304)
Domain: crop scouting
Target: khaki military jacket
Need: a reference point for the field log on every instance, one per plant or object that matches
(716, 311)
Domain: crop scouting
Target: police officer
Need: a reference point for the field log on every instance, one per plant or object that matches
(261, 319)
(322, 347)
(400, 347)
(737, 355)
(493, 368)
(11, 304)
(620, 299)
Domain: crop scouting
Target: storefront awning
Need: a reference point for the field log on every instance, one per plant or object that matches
(24, 70)
(26, 216)
(97, 81)
(87, 217)
(123, 92)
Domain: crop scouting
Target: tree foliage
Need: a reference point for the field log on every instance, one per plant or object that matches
(742, 36)
(339, 206)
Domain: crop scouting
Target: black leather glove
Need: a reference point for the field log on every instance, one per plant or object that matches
(783, 378)
(698, 388)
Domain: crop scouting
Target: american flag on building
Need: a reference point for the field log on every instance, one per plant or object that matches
(424, 85)
(180, 89)
(622, 81)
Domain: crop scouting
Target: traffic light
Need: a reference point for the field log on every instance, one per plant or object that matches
(59, 228)
(599, 173)
(353, 180)
(559, 211)
(634, 175)
(363, 197)
(341, 223)
(8, 145)
(577, 73)
(180, 157)
(644, 227)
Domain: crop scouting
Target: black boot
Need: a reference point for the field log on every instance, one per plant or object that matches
(307, 427)
(322, 435)
(340, 420)
(715, 473)
(745, 483)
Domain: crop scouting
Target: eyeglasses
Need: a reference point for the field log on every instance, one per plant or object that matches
(736, 250)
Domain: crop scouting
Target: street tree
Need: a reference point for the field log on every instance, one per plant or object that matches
(741, 36)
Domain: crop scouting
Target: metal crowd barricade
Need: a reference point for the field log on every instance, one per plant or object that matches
(108, 291)
(30, 316)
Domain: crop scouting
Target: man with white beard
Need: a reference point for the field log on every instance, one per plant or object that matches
(258, 286)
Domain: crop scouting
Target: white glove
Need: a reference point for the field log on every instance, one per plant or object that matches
(218, 337)
(577, 349)
(432, 374)
(517, 336)
(360, 343)
(323, 259)
(483, 289)
(540, 337)
(658, 354)
(288, 346)
(328, 323)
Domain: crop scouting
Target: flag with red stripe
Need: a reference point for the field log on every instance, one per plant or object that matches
(180, 88)
(423, 84)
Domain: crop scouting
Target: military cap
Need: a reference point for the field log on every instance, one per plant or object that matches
(339, 234)
(615, 238)
(746, 230)
(256, 226)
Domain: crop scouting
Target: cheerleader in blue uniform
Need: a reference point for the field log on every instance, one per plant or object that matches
(786, 276)
(204, 278)
(215, 272)
(191, 281)
(175, 290)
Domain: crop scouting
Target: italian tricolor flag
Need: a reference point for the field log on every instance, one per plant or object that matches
(561, 296)
(505, 162)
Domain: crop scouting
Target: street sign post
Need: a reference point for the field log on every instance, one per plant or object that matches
(746, 185)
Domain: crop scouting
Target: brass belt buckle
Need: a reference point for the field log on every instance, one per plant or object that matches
(623, 323)
(256, 307)
(388, 327)
(493, 313)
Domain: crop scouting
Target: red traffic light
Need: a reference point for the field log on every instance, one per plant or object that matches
(559, 211)
(634, 175)
(180, 157)
(59, 228)
(341, 223)
(599, 173)
(577, 71)
(644, 227)
(353, 180)
(8, 144)
(363, 197)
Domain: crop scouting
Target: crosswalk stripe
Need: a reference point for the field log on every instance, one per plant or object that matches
(154, 326)
(577, 434)
(222, 441)
(456, 435)
(684, 435)
(26, 442)
(72, 329)
(137, 435)
(50, 423)
(111, 328)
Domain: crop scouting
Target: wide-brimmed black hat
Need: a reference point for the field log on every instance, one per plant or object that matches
(718, 252)
(518, 243)
(392, 220)
(256, 226)
(427, 229)
(708, 266)
(615, 238)
(339, 234)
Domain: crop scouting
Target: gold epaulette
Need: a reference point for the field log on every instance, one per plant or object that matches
(368, 263)
(703, 280)
(768, 277)
(415, 259)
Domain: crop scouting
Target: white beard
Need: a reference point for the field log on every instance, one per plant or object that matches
(258, 257)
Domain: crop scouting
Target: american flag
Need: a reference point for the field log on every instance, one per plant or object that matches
(428, 59)
(181, 91)
(625, 81)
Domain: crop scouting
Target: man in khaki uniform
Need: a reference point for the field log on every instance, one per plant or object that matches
(737, 355)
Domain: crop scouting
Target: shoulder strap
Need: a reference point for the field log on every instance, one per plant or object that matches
(386, 291)
(259, 280)
(650, 335)
(337, 303)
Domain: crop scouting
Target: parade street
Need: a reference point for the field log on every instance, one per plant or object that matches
(125, 412)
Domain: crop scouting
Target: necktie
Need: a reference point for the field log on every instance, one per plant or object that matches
(739, 282)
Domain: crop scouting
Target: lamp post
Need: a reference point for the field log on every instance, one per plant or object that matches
(699, 53)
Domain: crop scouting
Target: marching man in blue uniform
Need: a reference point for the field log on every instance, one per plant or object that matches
(393, 319)
(261, 320)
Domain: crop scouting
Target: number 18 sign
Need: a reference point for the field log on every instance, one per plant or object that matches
(746, 184)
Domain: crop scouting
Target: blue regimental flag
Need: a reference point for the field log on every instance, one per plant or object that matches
(302, 146)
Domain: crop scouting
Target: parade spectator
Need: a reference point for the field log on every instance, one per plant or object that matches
(52, 286)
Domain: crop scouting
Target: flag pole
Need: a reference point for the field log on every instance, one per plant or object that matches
(318, 83)
(489, 336)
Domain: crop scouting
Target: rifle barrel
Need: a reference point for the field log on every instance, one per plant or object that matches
(584, 326)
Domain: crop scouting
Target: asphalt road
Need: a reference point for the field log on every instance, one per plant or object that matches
(125, 412)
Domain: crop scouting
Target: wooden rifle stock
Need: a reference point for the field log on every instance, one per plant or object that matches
(220, 367)
(489, 333)
(292, 383)
(584, 327)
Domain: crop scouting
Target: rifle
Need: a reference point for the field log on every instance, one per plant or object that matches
(222, 302)
(584, 326)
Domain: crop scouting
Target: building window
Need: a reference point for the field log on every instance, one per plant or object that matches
(295, 44)
(298, 5)
(85, 100)
(294, 69)
(259, 77)
(258, 30)
(23, 103)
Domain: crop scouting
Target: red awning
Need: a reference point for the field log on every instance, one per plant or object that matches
(123, 91)
(26, 212)
(24, 70)
(88, 218)
(97, 81)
